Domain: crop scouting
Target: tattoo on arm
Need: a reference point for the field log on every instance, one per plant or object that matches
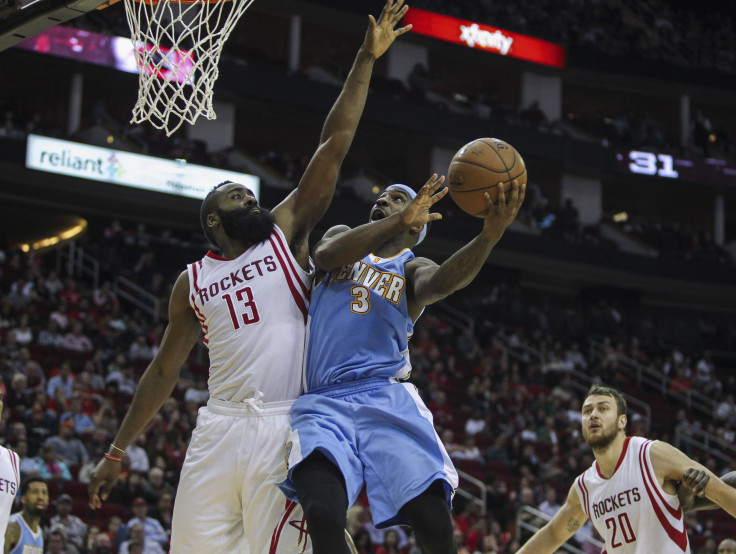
(573, 525)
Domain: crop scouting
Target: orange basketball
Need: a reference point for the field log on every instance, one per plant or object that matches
(479, 167)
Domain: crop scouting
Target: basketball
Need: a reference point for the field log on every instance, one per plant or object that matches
(479, 167)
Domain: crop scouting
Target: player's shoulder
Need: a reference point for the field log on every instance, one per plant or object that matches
(182, 279)
(416, 263)
(336, 230)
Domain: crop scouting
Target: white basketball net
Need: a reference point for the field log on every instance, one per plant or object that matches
(177, 47)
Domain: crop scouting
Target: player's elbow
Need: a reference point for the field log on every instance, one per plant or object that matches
(335, 145)
(323, 258)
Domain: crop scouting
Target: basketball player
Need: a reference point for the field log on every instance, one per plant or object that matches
(9, 481)
(24, 534)
(630, 490)
(250, 300)
(358, 421)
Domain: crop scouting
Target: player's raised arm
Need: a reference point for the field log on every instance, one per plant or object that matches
(302, 209)
(669, 463)
(432, 282)
(563, 525)
(154, 388)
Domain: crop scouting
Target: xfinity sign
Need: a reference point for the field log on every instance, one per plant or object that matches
(132, 170)
(485, 38)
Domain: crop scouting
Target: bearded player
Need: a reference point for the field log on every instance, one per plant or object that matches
(630, 491)
(250, 302)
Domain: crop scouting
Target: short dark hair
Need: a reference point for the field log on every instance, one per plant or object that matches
(602, 390)
(28, 482)
(208, 206)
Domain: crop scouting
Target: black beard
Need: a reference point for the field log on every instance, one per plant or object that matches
(36, 512)
(246, 225)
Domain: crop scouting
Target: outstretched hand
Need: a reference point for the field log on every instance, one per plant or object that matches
(101, 480)
(381, 34)
(504, 210)
(416, 213)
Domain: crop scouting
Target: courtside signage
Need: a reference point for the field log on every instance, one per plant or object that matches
(486, 38)
(131, 170)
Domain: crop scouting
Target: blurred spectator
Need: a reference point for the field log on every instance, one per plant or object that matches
(152, 527)
(76, 529)
(57, 542)
(726, 410)
(60, 316)
(64, 381)
(31, 369)
(50, 336)
(67, 446)
(164, 510)
(158, 482)
(51, 467)
(137, 454)
(76, 339)
(362, 541)
(549, 505)
(390, 543)
(116, 531)
(81, 422)
(139, 542)
(123, 379)
(140, 349)
(476, 423)
(28, 465)
(105, 299)
(52, 284)
(23, 332)
(199, 393)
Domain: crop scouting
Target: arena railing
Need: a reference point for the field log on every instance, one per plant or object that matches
(535, 520)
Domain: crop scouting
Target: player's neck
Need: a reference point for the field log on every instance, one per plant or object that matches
(31, 520)
(392, 247)
(609, 456)
(233, 249)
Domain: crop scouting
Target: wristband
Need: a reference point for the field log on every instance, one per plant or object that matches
(113, 458)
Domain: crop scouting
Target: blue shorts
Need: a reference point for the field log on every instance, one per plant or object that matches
(378, 432)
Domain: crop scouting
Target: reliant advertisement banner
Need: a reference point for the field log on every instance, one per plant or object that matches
(132, 170)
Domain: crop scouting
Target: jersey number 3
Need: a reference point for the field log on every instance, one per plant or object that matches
(243, 308)
(361, 300)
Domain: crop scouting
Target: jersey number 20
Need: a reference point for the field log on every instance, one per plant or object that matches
(626, 530)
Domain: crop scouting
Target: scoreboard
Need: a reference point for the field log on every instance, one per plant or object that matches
(708, 171)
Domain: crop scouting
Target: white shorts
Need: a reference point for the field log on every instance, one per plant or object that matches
(227, 500)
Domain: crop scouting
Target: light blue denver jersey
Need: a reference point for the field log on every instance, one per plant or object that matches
(349, 314)
(28, 543)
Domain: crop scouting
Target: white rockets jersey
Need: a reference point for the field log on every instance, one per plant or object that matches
(631, 510)
(9, 486)
(253, 312)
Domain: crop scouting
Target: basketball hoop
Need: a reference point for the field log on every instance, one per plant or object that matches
(177, 46)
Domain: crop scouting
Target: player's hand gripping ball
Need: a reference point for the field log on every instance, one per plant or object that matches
(482, 166)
